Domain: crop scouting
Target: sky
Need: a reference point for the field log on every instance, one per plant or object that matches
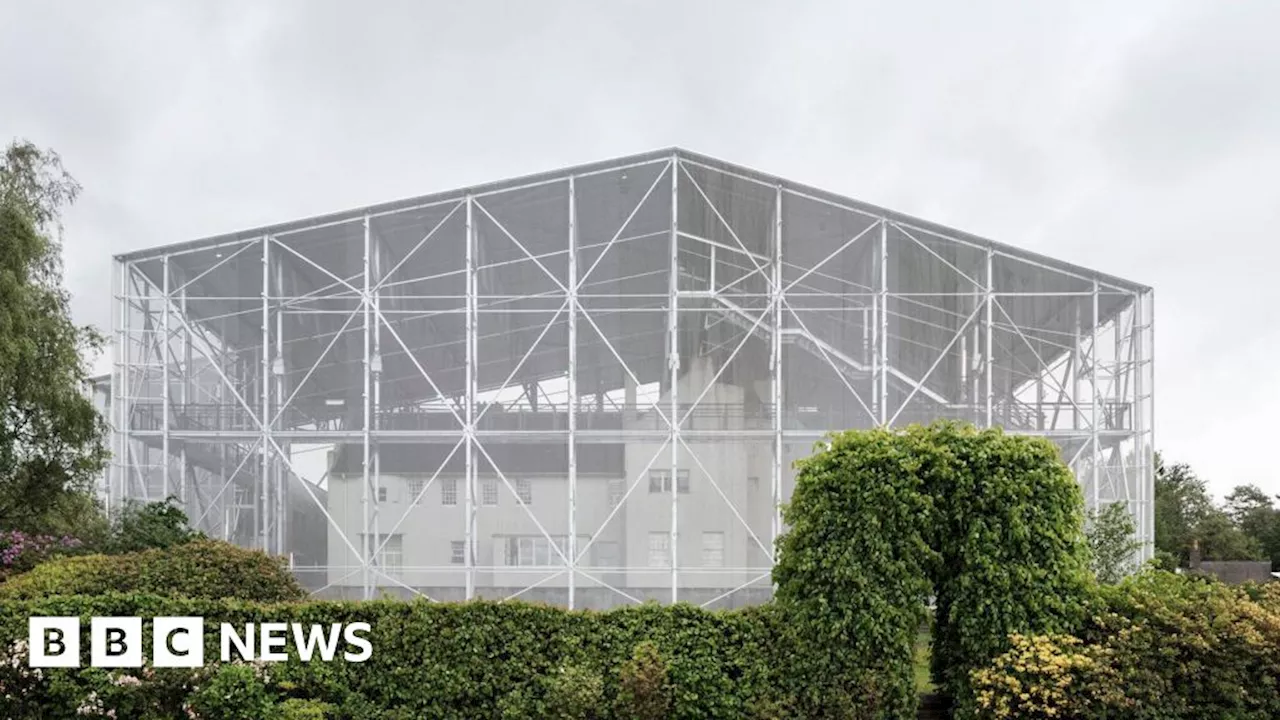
(1140, 139)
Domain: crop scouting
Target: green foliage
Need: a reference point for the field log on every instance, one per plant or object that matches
(297, 709)
(644, 688)
(139, 526)
(1112, 542)
(51, 437)
(234, 692)
(198, 569)
(1185, 516)
(1158, 645)
(1256, 514)
(33, 182)
(991, 522)
(458, 661)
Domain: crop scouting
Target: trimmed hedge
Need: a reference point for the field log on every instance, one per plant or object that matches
(468, 660)
(990, 522)
(1157, 646)
(198, 569)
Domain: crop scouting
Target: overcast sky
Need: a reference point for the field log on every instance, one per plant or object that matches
(1138, 138)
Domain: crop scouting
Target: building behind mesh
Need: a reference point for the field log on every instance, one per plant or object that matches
(589, 386)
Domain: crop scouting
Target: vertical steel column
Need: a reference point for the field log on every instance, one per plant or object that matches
(989, 354)
(188, 383)
(368, 543)
(278, 471)
(469, 430)
(260, 510)
(1077, 361)
(775, 364)
(673, 363)
(120, 431)
(375, 372)
(883, 390)
(573, 393)
(1093, 405)
(164, 377)
(1142, 448)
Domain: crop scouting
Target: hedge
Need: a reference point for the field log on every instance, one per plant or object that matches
(467, 660)
(1157, 646)
(198, 569)
(991, 523)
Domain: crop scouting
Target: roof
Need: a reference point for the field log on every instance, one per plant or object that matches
(595, 167)
(520, 262)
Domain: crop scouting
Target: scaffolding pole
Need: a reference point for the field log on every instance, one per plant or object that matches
(572, 557)
(673, 363)
(775, 365)
(469, 429)
(988, 351)
(883, 389)
(164, 377)
(260, 509)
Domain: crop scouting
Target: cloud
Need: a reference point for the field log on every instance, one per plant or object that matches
(1138, 139)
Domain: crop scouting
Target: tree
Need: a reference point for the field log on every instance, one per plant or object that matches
(1112, 540)
(1255, 513)
(1185, 515)
(1181, 503)
(51, 437)
(1221, 539)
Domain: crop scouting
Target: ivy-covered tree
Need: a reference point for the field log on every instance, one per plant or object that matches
(51, 437)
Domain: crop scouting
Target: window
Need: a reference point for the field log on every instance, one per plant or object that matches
(449, 492)
(713, 549)
(660, 481)
(415, 490)
(391, 554)
(524, 491)
(617, 488)
(489, 492)
(536, 550)
(457, 552)
(659, 549)
(382, 493)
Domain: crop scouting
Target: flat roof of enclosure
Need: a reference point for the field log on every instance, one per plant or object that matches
(721, 166)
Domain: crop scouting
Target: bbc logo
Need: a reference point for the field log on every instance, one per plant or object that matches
(116, 642)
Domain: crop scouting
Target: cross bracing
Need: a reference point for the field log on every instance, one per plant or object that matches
(588, 386)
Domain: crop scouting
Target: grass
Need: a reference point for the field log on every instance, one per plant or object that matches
(924, 684)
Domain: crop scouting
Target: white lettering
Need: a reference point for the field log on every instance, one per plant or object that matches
(243, 644)
(272, 635)
(354, 639)
(307, 644)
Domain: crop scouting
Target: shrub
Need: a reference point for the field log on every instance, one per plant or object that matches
(19, 551)
(1158, 645)
(137, 527)
(234, 692)
(991, 522)
(1042, 675)
(297, 709)
(644, 691)
(199, 569)
(442, 660)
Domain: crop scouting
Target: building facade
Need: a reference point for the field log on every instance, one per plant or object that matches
(589, 386)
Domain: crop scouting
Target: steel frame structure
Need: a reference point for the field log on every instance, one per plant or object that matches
(509, 331)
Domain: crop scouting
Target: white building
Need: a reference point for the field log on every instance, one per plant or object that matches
(639, 347)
